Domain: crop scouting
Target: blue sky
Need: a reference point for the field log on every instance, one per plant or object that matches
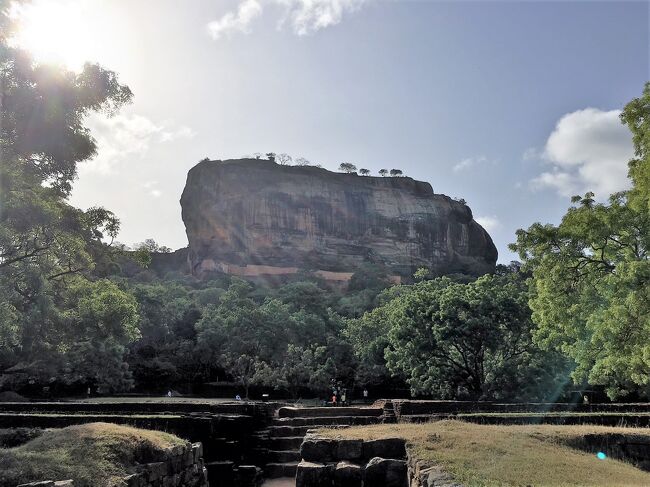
(509, 105)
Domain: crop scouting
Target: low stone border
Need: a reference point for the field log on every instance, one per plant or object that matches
(352, 463)
(180, 466)
(365, 463)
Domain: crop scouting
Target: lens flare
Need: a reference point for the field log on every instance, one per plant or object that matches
(54, 32)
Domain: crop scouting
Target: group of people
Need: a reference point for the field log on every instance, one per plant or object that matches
(340, 397)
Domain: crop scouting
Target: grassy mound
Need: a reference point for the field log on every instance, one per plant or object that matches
(10, 396)
(497, 455)
(93, 455)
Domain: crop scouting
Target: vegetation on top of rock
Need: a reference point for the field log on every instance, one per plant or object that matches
(347, 167)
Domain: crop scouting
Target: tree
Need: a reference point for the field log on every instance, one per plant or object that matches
(590, 290)
(395, 172)
(284, 159)
(364, 172)
(257, 155)
(636, 116)
(347, 167)
(422, 274)
(270, 156)
(383, 172)
(46, 245)
(451, 339)
(301, 161)
(239, 335)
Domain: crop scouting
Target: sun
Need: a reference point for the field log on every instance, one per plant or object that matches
(54, 31)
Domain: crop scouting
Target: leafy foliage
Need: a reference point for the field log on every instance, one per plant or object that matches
(450, 339)
(591, 276)
(47, 247)
(347, 167)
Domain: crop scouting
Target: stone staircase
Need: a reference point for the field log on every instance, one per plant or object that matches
(281, 441)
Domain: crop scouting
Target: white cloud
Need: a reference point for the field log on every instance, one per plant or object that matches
(126, 136)
(238, 21)
(489, 223)
(304, 16)
(309, 16)
(531, 154)
(588, 151)
(152, 188)
(469, 162)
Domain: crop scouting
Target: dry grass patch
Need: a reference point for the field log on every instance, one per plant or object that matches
(93, 455)
(500, 455)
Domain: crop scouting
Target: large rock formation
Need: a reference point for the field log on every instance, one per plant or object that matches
(254, 217)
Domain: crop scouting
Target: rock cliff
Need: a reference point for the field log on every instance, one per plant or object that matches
(253, 217)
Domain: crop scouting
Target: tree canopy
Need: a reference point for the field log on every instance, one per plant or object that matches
(47, 247)
(347, 167)
(591, 275)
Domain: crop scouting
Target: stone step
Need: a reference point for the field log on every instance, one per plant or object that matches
(327, 421)
(276, 470)
(222, 470)
(277, 431)
(293, 412)
(283, 456)
(285, 443)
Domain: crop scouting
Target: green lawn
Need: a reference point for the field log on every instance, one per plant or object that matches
(500, 455)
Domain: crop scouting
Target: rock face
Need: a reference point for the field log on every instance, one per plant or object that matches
(253, 217)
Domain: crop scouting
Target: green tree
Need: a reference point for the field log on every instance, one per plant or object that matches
(46, 245)
(383, 172)
(450, 339)
(364, 172)
(238, 334)
(396, 172)
(591, 276)
(347, 167)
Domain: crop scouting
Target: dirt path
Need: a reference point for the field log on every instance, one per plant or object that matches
(281, 482)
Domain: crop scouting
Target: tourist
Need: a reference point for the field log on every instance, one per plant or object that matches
(334, 399)
(343, 397)
(365, 395)
(169, 393)
(237, 397)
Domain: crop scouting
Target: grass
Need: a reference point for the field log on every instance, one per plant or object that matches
(557, 414)
(93, 455)
(498, 455)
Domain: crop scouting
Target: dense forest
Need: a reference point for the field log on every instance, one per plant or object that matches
(575, 311)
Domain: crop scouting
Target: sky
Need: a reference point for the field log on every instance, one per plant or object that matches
(512, 106)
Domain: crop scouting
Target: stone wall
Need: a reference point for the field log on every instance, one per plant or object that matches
(352, 463)
(180, 466)
(424, 474)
